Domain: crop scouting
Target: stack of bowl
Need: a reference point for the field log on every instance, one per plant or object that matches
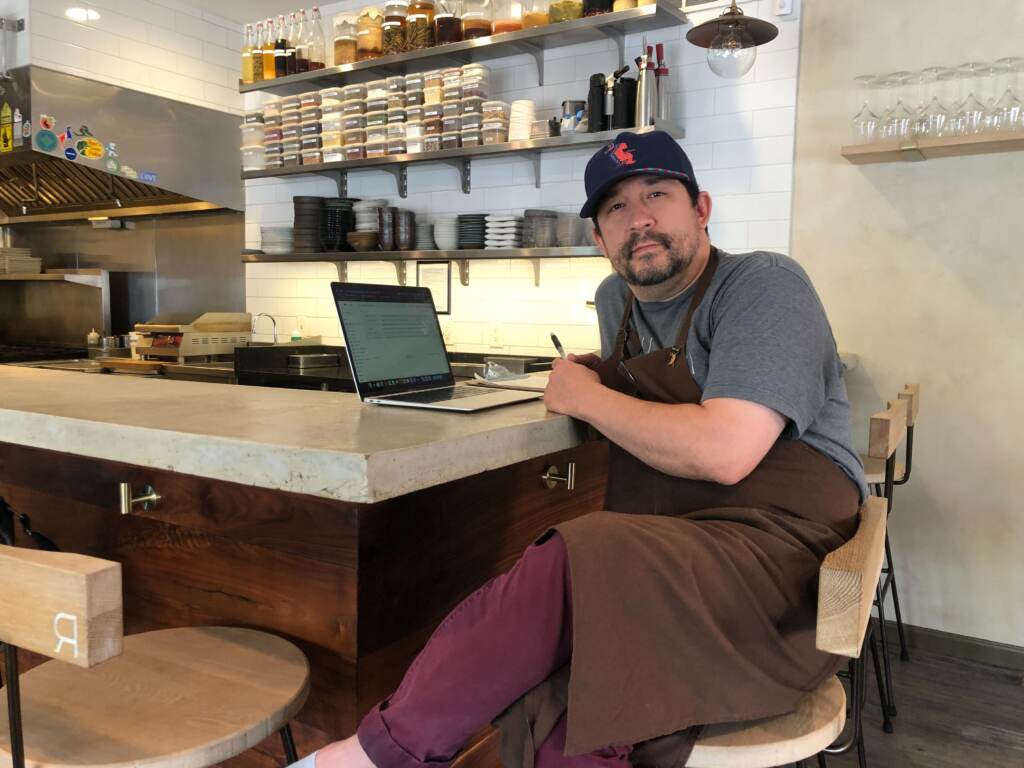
(446, 233)
(546, 228)
(276, 240)
(337, 221)
(308, 219)
(362, 241)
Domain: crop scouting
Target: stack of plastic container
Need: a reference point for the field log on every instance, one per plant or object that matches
(252, 142)
(495, 125)
(272, 142)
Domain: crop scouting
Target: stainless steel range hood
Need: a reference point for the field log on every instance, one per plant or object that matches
(89, 149)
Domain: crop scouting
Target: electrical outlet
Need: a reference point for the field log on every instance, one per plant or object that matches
(783, 7)
(495, 336)
(446, 333)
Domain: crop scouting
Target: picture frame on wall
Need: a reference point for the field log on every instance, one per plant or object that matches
(437, 276)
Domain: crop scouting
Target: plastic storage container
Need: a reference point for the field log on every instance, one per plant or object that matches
(475, 86)
(271, 134)
(309, 99)
(495, 132)
(376, 134)
(395, 84)
(271, 107)
(350, 122)
(432, 126)
(413, 113)
(377, 105)
(472, 105)
(288, 159)
(334, 155)
(253, 117)
(433, 110)
(472, 120)
(451, 108)
(377, 89)
(395, 131)
(253, 158)
(432, 94)
(291, 147)
(415, 98)
(396, 147)
(350, 92)
(355, 151)
(252, 135)
(290, 102)
(376, 118)
(310, 113)
(274, 161)
(332, 96)
(396, 115)
(336, 121)
(291, 132)
(312, 156)
(353, 107)
(396, 100)
(413, 145)
(291, 117)
(451, 124)
(472, 137)
(376, 149)
(432, 143)
(451, 140)
(273, 121)
(414, 129)
(495, 110)
(310, 128)
(332, 140)
(273, 148)
(310, 142)
(414, 82)
(353, 136)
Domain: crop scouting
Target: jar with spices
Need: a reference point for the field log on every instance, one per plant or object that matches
(565, 10)
(344, 39)
(595, 7)
(419, 27)
(535, 13)
(369, 33)
(393, 28)
(448, 22)
(507, 17)
(476, 19)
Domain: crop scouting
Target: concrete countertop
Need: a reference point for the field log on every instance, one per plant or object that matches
(323, 444)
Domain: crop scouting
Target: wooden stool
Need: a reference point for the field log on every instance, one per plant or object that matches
(846, 588)
(180, 698)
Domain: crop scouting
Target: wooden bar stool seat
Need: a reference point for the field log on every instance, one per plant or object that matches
(874, 470)
(173, 698)
(846, 587)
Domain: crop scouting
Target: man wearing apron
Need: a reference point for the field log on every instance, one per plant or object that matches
(732, 474)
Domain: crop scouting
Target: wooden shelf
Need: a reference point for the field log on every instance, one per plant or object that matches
(535, 41)
(933, 148)
(461, 159)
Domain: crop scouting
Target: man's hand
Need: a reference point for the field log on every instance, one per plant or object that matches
(570, 383)
(590, 359)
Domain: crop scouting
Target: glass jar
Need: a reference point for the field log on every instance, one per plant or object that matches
(419, 26)
(595, 7)
(565, 10)
(344, 39)
(476, 19)
(393, 28)
(369, 33)
(448, 22)
(507, 17)
(535, 13)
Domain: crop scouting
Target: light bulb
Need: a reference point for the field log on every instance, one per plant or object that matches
(732, 52)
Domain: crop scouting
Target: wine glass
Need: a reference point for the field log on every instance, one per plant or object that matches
(1008, 111)
(970, 115)
(899, 118)
(941, 84)
(865, 122)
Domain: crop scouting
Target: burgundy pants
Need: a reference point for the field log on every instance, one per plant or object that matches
(497, 644)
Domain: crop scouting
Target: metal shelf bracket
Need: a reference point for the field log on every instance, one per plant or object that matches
(401, 272)
(538, 56)
(401, 174)
(463, 271)
(536, 272)
(534, 158)
(464, 166)
(340, 178)
(619, 37)
(342, 267)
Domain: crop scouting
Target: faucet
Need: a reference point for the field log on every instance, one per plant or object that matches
(272, 320)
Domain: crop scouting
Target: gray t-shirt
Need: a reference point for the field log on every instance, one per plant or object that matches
(760, 334)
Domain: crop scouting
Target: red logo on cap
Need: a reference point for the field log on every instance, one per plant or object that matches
(621, 153)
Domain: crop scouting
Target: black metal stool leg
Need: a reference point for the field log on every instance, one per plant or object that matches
(289, 744)
(882, 696)
(821, 760)
(890, 701)
(904, 653)
(14, 706)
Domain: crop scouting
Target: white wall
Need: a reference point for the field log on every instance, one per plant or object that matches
(739, 137)
(157, 46)
(920, 267)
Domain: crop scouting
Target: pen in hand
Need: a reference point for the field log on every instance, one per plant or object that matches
(558, 346)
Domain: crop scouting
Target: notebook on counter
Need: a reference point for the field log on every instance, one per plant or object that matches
(532, 382)
(397, 354)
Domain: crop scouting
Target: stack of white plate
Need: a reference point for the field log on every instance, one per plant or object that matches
(446, 233)
(19, 261)
(424, 237)
(276, 240)
(504, 232)
(522, 115)
(366, 215)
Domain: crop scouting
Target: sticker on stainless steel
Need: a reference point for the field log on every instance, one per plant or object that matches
(129, 172)
(90, 148)
(113, 165)
(47, 122)
(70, 153)
(6, 137)
(147, 176)
(47, 141)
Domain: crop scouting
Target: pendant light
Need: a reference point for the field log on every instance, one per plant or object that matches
(732, 40)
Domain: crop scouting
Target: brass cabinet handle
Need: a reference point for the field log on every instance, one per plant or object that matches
(551, 478)
(148, 499)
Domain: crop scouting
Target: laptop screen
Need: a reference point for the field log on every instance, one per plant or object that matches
(393, 338)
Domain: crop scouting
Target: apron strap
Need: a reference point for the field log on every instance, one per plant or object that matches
(623, 334)
(698, 296)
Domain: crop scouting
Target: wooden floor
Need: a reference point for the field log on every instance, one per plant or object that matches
(950, 713)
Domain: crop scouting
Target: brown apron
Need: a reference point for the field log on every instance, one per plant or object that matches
(693, 602)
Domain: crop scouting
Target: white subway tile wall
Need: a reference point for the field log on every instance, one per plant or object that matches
(739, 138)
(158, 46)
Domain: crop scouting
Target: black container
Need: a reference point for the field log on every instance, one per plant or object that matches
(595, 104)
(624, 97)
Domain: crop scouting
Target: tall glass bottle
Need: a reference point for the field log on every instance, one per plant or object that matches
(257, 53)
(247, 74)
(280, 48)
(269, 53)
(291, 44)
(315, 41)
(301, 43)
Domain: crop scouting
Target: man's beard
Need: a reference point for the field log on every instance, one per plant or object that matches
(678, 259)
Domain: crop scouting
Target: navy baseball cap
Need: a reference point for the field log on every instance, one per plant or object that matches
(632, 154)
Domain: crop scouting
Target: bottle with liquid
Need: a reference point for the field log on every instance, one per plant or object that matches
(257, 53)
(280, 48)
(344, 39)
(395, 12)
(92, 339)
(506, 17)
(300, 43)
(476, 19)
(294, 34)
(448, 22)
(269, 53)
(369, 33)
(419, 28)
(247, 73)
(315, 41)
(535, 13)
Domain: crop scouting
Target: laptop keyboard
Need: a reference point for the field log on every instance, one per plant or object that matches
(437, 395)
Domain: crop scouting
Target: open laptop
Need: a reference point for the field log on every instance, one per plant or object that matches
(397, 354)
